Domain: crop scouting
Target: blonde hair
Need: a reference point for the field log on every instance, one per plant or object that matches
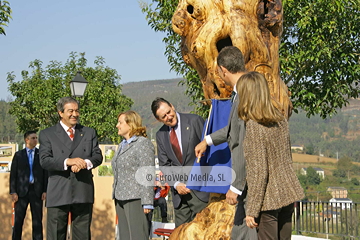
(134, 121)
(255, 100)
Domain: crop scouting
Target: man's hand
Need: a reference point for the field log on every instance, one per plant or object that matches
(75, 169)
(146, 211)
(231, 197)
(14, 197)
(200, 148)
(78, 162)
(43, 196)
(182, 189)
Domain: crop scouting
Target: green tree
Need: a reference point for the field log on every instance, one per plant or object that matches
(5, 15)
(7, 123)
(303, 181)
(355, 181)
(344, 124)
(340, 173)
(36, 95)
(319, 52)
(309, 149)
(312, 176)
(345, 163)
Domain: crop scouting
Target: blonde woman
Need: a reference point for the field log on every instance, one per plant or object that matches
(132, 200)
(273, 186)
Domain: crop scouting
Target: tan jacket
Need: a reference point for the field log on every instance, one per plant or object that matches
(272, 182)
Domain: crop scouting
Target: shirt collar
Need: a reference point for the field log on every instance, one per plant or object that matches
(27, 149)
(129, 140)
(66, 127)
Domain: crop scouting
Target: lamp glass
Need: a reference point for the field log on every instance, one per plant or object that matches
(78, 88)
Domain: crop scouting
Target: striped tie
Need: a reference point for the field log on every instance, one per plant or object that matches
(71, 131)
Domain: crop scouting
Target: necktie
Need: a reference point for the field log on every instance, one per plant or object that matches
(71, 131)
(175, 144)
(30, 156)
(232, 96)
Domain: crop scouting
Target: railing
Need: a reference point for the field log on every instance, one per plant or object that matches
(327, 219)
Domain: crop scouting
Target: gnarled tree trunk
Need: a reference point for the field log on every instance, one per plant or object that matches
(206, 26)
(255, 27)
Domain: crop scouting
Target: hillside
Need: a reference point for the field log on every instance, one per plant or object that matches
(332, 137)
(344, 174)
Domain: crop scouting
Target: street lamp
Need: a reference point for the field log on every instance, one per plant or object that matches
(78, 85)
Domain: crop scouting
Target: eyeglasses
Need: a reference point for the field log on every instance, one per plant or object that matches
(33, 138)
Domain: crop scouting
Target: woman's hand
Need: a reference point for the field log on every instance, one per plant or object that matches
(250, 222)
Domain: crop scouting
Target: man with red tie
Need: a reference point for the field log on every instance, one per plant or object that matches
(28, 182)
(176, 141)
(69, 151)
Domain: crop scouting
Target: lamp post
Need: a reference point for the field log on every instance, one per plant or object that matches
(78, 85)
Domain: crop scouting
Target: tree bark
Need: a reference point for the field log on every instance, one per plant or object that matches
(213, 222)
(255, 27)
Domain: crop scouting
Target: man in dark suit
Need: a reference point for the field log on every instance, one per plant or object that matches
(231, 67)
(69, 151)
(176, 141)
(28, 182)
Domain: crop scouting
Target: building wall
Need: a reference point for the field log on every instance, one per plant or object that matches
(338, 193)
(321, 174)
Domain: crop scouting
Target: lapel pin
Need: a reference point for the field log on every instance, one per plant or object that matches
(187, 128)
(81, 135)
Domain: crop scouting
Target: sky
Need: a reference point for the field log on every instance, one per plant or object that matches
(114, 29)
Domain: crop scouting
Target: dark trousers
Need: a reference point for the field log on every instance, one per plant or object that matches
(132, 221)
(161, 203)
(190, 205)
(275, 224)
(57, 221)
(21, 206)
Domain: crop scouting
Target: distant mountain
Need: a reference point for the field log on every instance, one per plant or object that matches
(333, 137)
(143, 93)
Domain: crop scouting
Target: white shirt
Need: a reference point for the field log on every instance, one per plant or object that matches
(88, 162)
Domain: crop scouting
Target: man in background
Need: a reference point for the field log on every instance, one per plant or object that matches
(28, 182)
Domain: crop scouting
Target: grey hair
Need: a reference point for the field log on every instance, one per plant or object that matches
(63, 101)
